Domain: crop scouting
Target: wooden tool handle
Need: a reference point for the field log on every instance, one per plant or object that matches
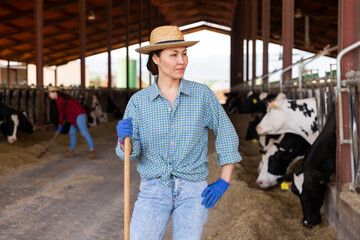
(127, 189)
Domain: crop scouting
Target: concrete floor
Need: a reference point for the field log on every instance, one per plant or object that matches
(67, 198)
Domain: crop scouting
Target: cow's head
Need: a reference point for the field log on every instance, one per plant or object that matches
(251, 133)
(273, 165)
(309, 186)
(291, 116)
(274, 120)
(252, 104)
(9, 127)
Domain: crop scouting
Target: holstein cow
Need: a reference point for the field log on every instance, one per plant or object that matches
(11, 120)
(291, 116)
(96, 112)
(233, 102)
(256, 104)
(310, 179)
(93, 108)
(280, 155)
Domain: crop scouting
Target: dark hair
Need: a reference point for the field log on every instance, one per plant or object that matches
(151, 66)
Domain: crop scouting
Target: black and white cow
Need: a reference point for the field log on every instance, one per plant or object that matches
(310, 179)
(11, 120)
(256, 104)
(94, 110)
(280, 155)
(233, 102)
(291, 116)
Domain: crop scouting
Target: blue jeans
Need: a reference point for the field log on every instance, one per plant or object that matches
(81, 124)
(156, 203)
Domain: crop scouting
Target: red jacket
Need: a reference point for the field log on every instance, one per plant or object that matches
(69, 111)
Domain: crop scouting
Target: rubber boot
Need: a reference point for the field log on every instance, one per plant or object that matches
(70, 154)
(92, 154)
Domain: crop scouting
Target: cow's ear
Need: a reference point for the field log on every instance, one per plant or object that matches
(249, 94)
(281, 96)
(263, 95)
(286, 178)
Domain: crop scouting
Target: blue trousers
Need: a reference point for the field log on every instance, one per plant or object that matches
(157, 202)
(81, 124)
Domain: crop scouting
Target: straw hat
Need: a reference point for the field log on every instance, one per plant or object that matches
(165, 37)
(53, 89)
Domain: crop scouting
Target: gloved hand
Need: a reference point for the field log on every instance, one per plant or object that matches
(60, 128)
(124, 129)
(213, 192)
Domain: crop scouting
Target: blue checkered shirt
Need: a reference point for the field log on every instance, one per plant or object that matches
(174, 140)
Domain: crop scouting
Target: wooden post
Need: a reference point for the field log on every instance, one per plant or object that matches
(109, 43)
(265, 36)
(82, 38)
(127, 7)
(254, 25)
(127, 189)
(140, 39)
(150, 29)
(287, 36)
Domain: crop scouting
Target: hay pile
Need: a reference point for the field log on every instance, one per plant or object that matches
(28, 147)
(25, 150)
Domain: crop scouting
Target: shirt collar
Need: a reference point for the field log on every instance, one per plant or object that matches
(183, 88)
(155, 91)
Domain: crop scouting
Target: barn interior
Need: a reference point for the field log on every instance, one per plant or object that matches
(51, 33)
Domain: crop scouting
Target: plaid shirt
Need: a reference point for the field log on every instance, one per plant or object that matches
(69, 111)
(174, 141)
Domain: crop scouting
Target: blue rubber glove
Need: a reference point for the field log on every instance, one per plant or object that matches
(213, 192)
(60, 128)
(124, 129)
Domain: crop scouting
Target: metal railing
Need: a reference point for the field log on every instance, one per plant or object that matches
(353, 121)
(327, 91)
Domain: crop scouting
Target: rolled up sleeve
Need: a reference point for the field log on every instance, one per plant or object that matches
(227, 140)
(130, 111)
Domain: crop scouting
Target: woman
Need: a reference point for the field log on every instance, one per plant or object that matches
(168, 126)
(71, 110)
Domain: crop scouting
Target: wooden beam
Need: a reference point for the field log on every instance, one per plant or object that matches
(206, 27)
(29, 13)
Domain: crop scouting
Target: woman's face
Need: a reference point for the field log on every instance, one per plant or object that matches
(53, 95)
(172, 63)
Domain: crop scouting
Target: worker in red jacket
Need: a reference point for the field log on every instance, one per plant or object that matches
(71, 110)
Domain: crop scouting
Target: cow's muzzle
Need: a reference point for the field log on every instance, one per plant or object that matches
(12, 139)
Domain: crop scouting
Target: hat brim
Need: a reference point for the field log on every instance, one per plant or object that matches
(154, 47)
(52, 90)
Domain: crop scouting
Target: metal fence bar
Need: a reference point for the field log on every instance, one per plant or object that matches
(340, 89)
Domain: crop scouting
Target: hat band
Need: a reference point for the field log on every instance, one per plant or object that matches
(171, 41)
